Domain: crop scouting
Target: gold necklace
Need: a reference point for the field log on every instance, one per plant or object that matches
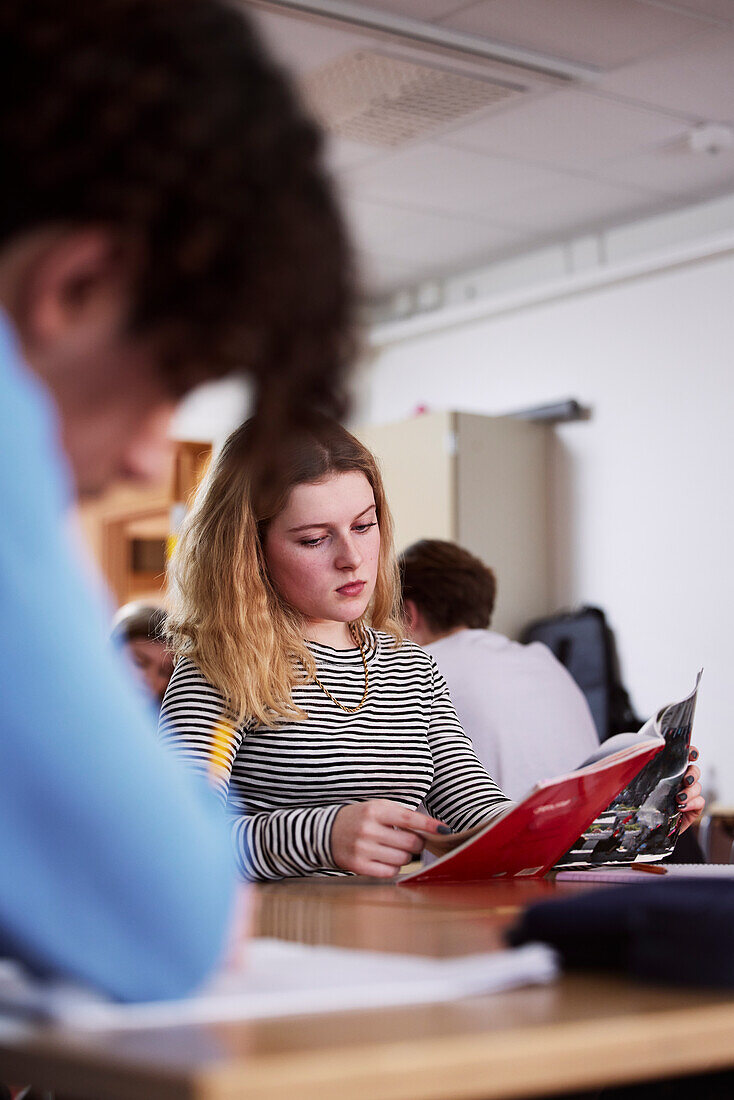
(350, 710)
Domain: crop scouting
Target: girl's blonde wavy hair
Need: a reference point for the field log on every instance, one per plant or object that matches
(225, 613)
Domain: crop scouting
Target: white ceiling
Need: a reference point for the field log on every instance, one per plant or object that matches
(560, 161)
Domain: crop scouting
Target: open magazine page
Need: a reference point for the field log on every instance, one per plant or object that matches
(438, 844)
(643, 821)
(528, 838)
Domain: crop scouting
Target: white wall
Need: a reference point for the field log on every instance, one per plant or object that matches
(642, 491)
(210, 412)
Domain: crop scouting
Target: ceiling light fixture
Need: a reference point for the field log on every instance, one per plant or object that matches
(432, 36)
(370, 97)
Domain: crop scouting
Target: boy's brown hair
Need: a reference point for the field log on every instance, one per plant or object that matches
(448, 584)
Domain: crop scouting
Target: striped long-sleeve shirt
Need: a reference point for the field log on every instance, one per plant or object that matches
(284, 786)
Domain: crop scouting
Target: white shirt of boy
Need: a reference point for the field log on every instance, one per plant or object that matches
(526, 716)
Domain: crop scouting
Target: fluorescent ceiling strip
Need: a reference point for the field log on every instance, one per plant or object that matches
(415, 32)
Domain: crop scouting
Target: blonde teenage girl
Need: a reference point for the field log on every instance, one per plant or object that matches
(322, 728)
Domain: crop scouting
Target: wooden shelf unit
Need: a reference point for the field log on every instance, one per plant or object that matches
(128, 528)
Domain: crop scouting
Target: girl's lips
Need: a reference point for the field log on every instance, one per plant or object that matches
(352, 589)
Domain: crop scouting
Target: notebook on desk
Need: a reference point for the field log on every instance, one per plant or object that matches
(631, 873)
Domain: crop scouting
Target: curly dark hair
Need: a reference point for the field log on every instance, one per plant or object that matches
(448, 584)
(167, 121)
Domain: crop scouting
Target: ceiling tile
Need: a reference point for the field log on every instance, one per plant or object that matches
(425, 10)
(453, 181)
(433, 241)
(302, 45)
(715, 9)
(341, 153)
(599, 32)
(676, 170)
(567, 129)
(560, 163)
(581, 205)
(697, 81)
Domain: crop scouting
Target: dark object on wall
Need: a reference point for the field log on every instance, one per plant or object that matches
(584, 644)
(557, 413)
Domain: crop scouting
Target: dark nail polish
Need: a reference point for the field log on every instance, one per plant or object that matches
(690, 779)
(443, 830)
(682, 799)
(694, 755)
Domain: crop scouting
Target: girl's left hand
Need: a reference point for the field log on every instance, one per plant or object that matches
(690, 799)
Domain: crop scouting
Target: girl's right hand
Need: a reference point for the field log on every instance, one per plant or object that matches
(374, 838)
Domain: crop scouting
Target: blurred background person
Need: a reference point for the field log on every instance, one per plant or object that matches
(526, 716)
(139, 629)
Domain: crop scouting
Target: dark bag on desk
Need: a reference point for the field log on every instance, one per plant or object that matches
(582, 641)
(680, 932)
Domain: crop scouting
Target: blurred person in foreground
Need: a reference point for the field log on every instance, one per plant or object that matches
(164, 219)
(138, 628)
(526, 716)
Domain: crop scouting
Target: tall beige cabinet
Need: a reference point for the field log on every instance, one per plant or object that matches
(481, 481)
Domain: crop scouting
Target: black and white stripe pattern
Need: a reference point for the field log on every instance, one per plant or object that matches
(284, 786)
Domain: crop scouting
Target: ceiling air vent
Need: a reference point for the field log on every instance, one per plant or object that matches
(381, 100)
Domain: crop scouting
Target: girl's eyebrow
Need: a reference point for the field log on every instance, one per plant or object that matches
(308, 526)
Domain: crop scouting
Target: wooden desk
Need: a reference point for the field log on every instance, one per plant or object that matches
(581, 1032)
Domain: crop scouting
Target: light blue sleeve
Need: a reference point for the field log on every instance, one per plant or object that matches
(115, 862)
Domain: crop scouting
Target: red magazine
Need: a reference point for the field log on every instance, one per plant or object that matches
(533, 835)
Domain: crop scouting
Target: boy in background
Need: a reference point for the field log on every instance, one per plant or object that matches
(526, 716)
(139, 629)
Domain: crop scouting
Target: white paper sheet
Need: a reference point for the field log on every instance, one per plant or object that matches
(285, 979)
